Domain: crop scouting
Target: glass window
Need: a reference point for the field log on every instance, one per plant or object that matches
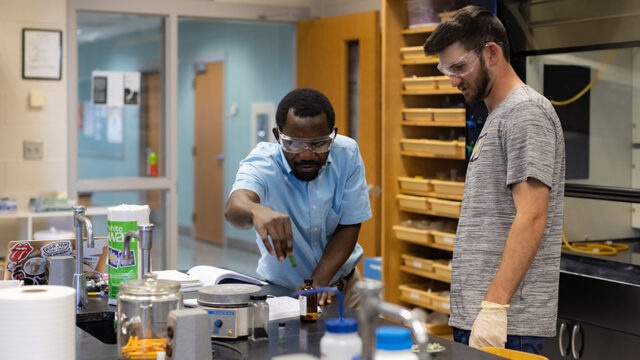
(602, 125)
(120, 111)
(231, 76)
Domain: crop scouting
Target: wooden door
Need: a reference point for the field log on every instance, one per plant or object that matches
(151, 125)
(323, 65)
(209, 153)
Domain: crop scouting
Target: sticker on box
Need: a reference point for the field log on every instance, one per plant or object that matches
(58, 248)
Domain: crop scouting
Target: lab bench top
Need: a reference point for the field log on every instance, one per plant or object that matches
(298, 338)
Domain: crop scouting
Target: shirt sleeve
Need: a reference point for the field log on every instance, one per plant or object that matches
(250, 175)
(529, 142)
(355, 201)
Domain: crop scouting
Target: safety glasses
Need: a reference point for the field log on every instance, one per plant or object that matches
(460, 67)
(463, 65)
(299, 145)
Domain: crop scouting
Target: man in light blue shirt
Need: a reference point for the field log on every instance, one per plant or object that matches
(307, 194)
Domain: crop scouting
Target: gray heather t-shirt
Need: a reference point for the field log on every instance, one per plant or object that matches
(522, 138)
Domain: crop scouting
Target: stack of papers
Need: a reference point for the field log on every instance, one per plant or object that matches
(187, 283)
(283, 307)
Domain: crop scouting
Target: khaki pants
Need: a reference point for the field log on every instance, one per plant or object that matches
(346, 285)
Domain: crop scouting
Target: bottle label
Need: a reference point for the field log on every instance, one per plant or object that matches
(303, 305)
(121, 270)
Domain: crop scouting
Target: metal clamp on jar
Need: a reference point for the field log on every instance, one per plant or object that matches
(143, 311)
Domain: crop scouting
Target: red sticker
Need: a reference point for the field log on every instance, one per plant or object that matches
(20, 251)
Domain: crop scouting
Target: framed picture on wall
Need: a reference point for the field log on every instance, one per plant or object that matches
(41, 54)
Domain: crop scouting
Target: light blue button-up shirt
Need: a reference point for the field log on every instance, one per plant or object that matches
(337, 196)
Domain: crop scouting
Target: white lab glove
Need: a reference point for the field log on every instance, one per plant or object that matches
(490, 327)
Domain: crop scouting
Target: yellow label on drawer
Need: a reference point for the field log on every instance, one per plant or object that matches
(417, 264)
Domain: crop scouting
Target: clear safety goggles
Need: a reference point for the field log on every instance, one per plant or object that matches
(299, 145)
(463, 65)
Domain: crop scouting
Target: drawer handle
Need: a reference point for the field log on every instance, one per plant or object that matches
(561, 345)
(574, 333)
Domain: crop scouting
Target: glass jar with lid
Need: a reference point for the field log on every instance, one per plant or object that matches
(143, 311)
(258, 317)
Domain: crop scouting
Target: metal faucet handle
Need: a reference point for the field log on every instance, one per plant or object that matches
(79, 209)
(146, 227)
(126, 245)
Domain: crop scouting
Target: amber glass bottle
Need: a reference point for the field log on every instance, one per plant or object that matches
(308, 303)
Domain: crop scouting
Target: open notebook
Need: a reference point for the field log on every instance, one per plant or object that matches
(205, 275)
(211, 275)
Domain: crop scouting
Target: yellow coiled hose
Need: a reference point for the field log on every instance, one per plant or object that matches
(607, 248)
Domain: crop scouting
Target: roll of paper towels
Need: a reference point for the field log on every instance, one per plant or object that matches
(38, 322)
(139, 213)
(120, 220)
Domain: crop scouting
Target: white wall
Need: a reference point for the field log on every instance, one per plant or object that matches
(321, 8)
(20, 178)
(327, 8)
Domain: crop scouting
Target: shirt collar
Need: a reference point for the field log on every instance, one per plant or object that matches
(288, 168)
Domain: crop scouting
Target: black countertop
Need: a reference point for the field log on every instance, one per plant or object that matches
(600, 268)
(299, 337)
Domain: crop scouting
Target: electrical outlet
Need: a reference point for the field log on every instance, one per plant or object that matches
(32, 150)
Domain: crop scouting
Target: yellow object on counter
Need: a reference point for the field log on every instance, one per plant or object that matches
(513, 354)
(137, 349)
(607, 248)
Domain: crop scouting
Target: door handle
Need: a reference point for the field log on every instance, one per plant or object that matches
(561, 346)
(575, 354)
(220, 157)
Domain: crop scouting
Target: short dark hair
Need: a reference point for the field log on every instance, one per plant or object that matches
(472, 26)
(305, 103)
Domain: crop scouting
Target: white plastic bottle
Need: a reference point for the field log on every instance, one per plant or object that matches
(394, 343)
(341, 340)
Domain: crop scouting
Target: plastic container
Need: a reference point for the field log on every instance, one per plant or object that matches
(421, 13)
(435, 148)
(418, 263)
(446, 207)
(413, 203)
(258, 317)
(341, 340)
(444, 238)
(153, 165)
(415, 186)
(413, 235)
(394, 343)
(308, 303)
(415, 294)
(143, 312)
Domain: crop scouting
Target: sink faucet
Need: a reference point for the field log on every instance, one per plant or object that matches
(144, 236)
(79, 281)
(372, 307)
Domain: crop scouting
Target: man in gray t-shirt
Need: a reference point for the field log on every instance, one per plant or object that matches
(506, 259)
